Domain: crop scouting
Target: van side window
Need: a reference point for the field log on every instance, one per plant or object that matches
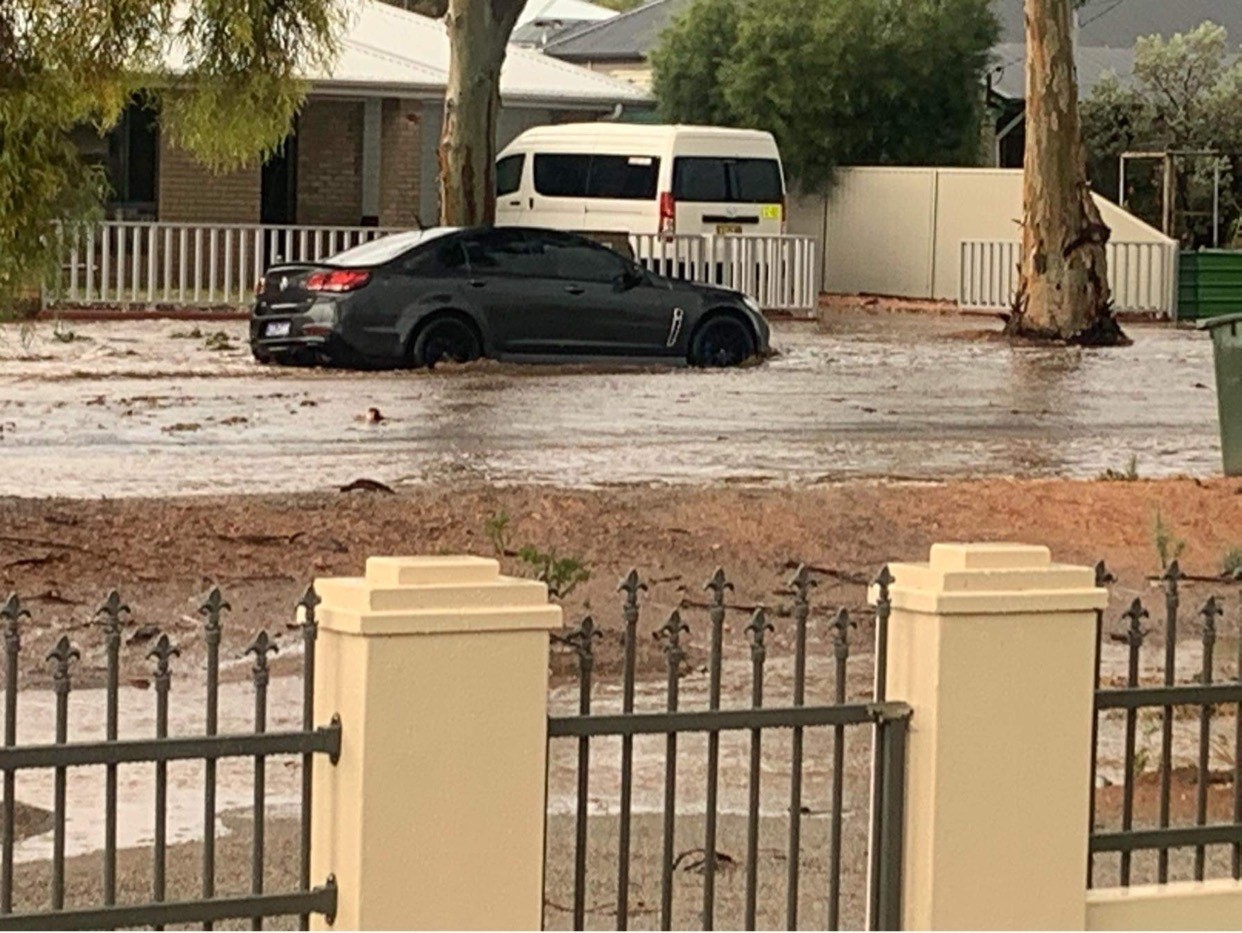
(509, 174)
(562, 176)
(735, 181)
(631, 178)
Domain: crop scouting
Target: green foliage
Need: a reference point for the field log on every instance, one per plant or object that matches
(223, 74)
(1186, 94)
(836, 81)
(563, 575)
(1231, 563)
(1129, 475)
(497, 530)
(621, 6)
(1169, 547)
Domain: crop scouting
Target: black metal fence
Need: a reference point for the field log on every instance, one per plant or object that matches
(1141, 835)
(876, 871)
(158, 750)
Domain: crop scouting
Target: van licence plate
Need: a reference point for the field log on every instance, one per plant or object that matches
(728, 228)
(277, 329)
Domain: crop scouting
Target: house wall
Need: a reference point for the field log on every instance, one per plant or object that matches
(189, 192)
(898, 231)
(401, 166)
(329, 186)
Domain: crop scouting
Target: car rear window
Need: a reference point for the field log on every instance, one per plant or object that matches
(384, 248)
(622, 177)
(731, 181)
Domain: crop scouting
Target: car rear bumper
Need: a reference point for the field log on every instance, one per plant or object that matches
(298, 335)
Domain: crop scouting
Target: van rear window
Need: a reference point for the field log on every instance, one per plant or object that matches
(731, 181)
(630, 178)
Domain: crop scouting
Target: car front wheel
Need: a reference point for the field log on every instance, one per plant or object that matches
(722, 341)
(446, 340)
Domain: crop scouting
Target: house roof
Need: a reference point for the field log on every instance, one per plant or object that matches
(628, 37)
(1119, 24)
(579, 10)
(393, 51)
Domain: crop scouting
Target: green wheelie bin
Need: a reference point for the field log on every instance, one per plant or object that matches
(1227, 348)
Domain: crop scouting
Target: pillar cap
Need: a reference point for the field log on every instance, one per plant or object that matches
(992, 579)
(434, 595)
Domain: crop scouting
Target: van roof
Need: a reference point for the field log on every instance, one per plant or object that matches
(644, 131)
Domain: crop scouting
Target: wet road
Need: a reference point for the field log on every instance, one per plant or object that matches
(130, 409)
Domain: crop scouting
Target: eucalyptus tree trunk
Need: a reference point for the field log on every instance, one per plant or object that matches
(479, 33)
(1063, 294)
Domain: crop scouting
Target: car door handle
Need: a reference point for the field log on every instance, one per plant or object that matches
(477, 283)
(515, 203)
(575, 289)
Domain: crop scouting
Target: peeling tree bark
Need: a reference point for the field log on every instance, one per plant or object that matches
(1063, 294)
(479, 33)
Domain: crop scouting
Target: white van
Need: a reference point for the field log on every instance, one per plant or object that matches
(633, 178)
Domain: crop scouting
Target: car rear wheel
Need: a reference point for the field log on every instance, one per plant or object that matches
(722, 341)
(445, 340)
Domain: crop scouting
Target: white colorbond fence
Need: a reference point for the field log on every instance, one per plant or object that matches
(129, 264)
(1142, 276)
(132, 264)
(780, 272)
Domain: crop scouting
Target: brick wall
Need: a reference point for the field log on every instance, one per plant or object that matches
(401, 163)
(330, 163)
(189, 192)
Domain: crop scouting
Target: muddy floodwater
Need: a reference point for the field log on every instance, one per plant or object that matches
(164, 408)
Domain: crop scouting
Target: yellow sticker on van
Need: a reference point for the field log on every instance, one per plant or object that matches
(771, 212)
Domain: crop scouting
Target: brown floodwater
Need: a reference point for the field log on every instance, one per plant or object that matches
(157, 408)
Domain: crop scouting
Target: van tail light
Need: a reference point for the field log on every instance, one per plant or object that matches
(668, 213)
(338, 280)
(784, 212)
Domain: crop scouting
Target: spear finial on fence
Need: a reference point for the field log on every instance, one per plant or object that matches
(758, 625)
(841, 626)
(718, 585)
(163, 652)
(582, 639)
(801, 583)
(12, 613)
(261, 647)
(109, 614)
(1103, 576)
(1211, 611)
(308, 604)
(1135, 615)
(63, 654)
(670, 633)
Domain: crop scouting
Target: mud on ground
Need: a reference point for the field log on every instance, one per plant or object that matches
(62, 556)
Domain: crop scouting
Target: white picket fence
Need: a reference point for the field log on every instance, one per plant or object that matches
(1142, 276)
(130, 264)
(780, 272)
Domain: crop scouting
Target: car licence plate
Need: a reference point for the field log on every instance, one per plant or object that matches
(277, 329)
(728, 228)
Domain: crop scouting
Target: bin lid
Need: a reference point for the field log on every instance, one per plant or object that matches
(1214, 322)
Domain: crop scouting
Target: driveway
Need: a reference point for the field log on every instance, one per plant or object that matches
(153, 408)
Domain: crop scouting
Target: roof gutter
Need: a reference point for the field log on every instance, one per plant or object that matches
(435, 93)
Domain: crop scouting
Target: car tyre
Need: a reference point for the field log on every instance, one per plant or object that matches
(447, 339)
(722, 341)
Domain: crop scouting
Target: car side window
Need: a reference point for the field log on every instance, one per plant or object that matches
(504, 252)
(509, 174)
(574, 258)
(442, 257)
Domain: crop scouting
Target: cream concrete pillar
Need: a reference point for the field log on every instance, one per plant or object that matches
(992, 645)
(433, 816)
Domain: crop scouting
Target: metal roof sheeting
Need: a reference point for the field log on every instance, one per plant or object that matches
(629, 36)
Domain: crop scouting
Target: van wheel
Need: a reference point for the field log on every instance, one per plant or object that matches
(447, 339)
(722, 341)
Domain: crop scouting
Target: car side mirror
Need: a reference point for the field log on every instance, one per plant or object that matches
(632, 277)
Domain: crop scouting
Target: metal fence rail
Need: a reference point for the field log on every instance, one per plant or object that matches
(1142, 276)
(888, 720)
(779, 272)
(159, 750)
(1197, 704)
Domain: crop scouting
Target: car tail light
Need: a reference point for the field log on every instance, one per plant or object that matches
(338, 280)
(784, 212)
(258, 288)
(668, 213)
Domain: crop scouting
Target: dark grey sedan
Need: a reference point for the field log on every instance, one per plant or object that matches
(507, 293)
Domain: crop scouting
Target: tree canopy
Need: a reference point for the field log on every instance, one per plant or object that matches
(1185, 94)
(835, 81)
(223, 74)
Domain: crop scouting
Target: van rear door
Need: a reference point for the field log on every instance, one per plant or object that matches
(728, 195)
